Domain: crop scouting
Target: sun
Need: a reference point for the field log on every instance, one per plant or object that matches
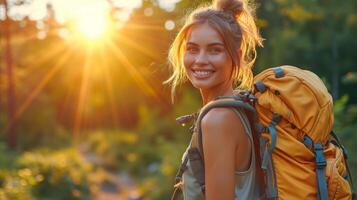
(92, 23)
(92, 27)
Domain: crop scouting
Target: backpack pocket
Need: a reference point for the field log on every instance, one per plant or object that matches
(336, 174)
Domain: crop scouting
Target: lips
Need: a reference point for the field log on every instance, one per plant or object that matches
(202, 74)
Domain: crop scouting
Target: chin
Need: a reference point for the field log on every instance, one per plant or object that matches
(201, 85)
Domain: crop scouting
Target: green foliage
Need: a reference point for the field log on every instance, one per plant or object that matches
(345, 128)
(317, 35)
(150, 153)
(121, 150)
(37, 126)
(46, 175)
(7, 158)
(158, 183)
(152, 163)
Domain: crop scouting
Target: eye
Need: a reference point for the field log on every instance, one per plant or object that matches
(215, 50)
(192, 49)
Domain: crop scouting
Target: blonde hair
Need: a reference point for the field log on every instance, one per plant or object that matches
(234, 20)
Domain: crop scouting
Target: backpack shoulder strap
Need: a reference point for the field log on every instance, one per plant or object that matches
(225, 102)
(250, 112)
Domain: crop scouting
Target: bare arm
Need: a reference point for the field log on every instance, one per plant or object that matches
(223, 135)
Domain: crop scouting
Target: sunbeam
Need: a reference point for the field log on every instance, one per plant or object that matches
(27, 102)
(139, 47)
(82, 95)
(110, 90)
(38, 61)
(139, 79)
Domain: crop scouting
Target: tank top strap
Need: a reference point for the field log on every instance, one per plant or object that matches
(246, 125)
(245, 121)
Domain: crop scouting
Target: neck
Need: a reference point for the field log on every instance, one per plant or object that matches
(209, 95)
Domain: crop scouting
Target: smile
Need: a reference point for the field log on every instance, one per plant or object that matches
(202, 73)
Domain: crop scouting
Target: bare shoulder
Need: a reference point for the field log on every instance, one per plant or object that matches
(223, 120)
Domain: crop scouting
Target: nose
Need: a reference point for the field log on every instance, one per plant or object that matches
(201, 58)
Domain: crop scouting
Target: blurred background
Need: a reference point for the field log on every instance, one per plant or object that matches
(84, 113)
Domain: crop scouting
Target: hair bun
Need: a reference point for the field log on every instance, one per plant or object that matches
(230, 6)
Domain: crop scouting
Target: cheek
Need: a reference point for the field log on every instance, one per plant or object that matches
(188, 60)
(229, 66)
(222, 61)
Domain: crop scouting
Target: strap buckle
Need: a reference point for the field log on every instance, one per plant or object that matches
(276, 118)
(308, 141)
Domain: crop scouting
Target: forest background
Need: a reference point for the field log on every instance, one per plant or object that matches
(81, 93)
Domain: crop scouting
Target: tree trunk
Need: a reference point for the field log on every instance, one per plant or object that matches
(11, 132)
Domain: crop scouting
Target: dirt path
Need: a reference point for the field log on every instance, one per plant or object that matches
(117, 185)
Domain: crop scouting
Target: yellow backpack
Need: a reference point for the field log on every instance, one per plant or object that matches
(298, 147)
(300, 156)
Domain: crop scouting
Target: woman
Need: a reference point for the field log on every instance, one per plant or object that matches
(215, 51)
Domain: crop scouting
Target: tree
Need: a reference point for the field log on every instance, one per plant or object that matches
(11, 101)
(316, 35)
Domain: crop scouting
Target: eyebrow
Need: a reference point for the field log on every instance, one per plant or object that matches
(211, 44)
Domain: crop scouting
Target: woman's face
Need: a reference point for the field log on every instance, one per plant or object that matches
(206, 60)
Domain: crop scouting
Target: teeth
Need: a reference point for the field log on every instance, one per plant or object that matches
(202, 73)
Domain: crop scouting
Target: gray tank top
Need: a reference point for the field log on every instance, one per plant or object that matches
(245, 184)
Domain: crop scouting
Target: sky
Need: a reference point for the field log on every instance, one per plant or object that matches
(66, 10)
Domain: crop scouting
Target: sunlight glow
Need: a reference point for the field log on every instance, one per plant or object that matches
(89, 22)
(135, 74)
(92, 22)
(168, 5)
(169, 25)
(92, 27)
(2, 12)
